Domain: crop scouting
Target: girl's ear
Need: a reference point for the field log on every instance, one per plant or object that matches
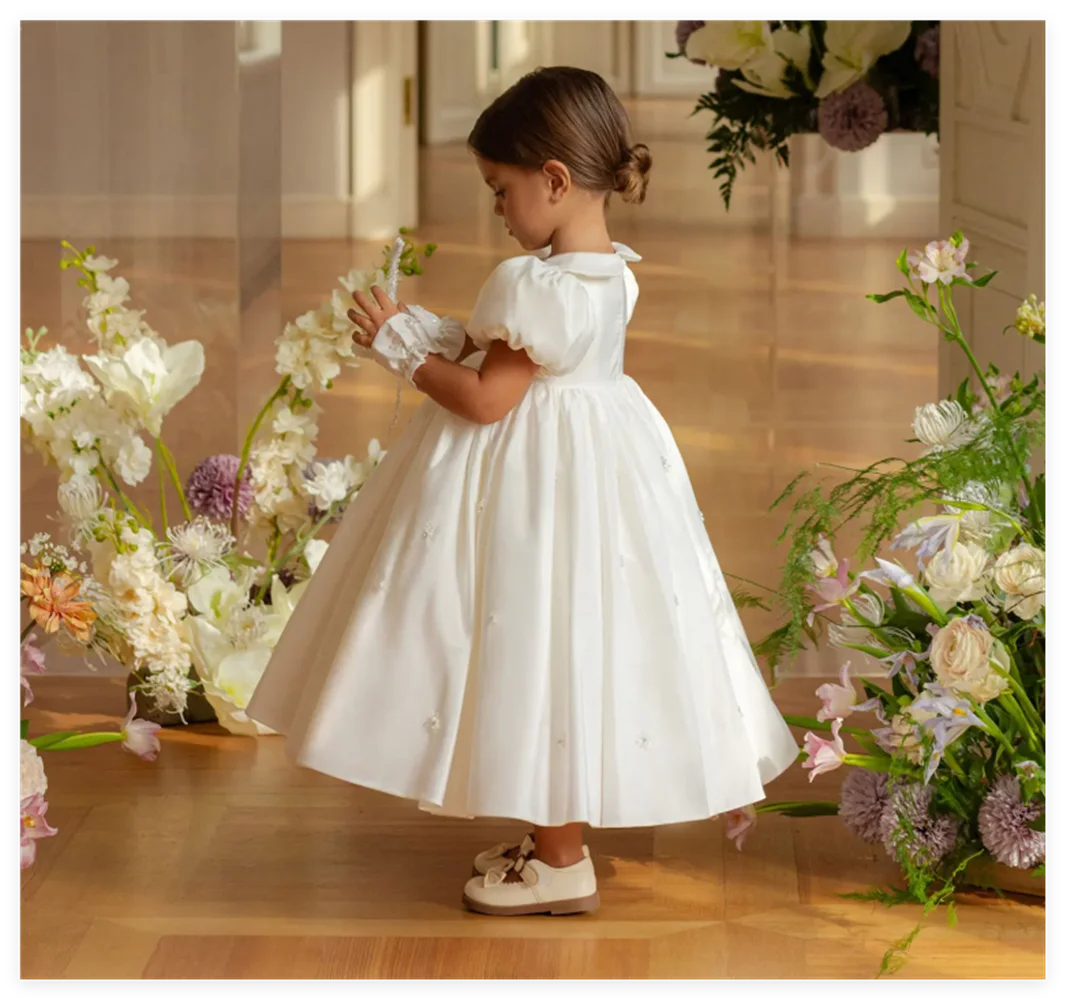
(558, 177)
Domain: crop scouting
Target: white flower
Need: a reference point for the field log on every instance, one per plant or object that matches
(941, 261)
(111, 293)
(148, 379)
(80, 499)
(1019, 573)
(216, 595)
(32, 780)
(957, 574)
(765, 74)
(331, 482)
(1030, 320)
(728, 45)
(853, 47)
(851, 631)
(197, 547)
(824, 559)
(314, 552)
(943, 426)
(98, 264)
(960, 654)
(133, 461)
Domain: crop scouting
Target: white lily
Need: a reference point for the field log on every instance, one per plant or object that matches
(853, 47)
(729, 45)
(150, 379)
(765, 74)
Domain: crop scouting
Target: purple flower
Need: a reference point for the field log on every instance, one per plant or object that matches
(684, 30)
(930, 535)
(210, 487)
(852, 119)
(910, 830)
(949, 717)
(926, 50)
(863, 798)
(1004, 825)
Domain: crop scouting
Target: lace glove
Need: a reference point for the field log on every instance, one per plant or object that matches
(405, 340)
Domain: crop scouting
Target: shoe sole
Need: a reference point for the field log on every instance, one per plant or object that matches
(555, 908)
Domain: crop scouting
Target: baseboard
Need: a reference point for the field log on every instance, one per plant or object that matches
(869, 217)
(96, 217)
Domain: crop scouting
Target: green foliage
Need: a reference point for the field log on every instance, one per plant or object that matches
(746, 123)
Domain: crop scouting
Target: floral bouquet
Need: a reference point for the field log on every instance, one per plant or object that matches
(186, 606)
(58, 600)
(849, 81)
(950, 769)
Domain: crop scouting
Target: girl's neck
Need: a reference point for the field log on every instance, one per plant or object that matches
(583, 234)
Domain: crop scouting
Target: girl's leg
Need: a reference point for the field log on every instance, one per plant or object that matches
(559, 846)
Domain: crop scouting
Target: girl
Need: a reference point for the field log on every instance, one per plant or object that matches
(521, 615)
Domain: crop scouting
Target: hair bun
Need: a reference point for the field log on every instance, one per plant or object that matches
(631, 178)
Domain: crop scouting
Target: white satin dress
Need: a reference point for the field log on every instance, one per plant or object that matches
(526, 619)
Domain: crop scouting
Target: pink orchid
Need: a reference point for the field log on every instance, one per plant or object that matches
(824, 755)
(940, 261)
(840, 700)
(32, 663)
(832, 590)
(32, 827)
(140, 734)
(739, 823)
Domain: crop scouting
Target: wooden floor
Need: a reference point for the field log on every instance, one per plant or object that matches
(223, 860)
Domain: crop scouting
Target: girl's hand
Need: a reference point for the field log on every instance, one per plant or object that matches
(377, 313)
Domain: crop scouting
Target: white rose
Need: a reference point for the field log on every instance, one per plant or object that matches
(957, 574)
(32, 780)
(943, 426)
(959, 655)
(1019, 574)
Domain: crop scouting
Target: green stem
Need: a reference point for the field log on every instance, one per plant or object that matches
(247, 448)
(883, 765)
(162, 485)
(993, 729)
(952, 763)
(808, 722)
(1015, 712)
(131, 508)
(1023, 698)
(167, 457)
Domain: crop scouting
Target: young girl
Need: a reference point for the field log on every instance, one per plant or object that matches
(521, 615)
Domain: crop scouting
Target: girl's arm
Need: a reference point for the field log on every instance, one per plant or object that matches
(483, 396)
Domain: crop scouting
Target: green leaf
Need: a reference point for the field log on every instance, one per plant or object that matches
(983, 280)
(953, 917)
(799, 810)
(80, 741)
(957, 238)
(922, 309)
(1038, 823)
(24, 729)
(45, 742)
(901, 263)
(887, 296)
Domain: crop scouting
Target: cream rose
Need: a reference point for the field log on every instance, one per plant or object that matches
(960, 655)
(1019, 574)
(957, 574)
(32, 779)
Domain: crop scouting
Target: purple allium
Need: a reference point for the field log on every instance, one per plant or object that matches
(909, 829)
(684, 30)
(926, 50)
(863, 798)
(1003, 822)
(210, 487)
(852, 119)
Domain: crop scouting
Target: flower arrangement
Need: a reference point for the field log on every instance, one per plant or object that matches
(953, 768)
(849, 81)
(186, 606)
(58, 601)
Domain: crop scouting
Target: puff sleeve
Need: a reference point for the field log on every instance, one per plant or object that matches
(538, 308)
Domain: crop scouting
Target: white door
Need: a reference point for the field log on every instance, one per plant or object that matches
(459, 80)
(384, 131)
(992, 180)
(605, 47)
(654, 75)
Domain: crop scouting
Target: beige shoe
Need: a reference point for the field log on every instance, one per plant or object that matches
(527, 886)
(501, 854)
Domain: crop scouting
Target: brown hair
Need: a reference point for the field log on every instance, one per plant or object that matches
(570, 115)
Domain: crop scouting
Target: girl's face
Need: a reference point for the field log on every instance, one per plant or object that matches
(529, 201)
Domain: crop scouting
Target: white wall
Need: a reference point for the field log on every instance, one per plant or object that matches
(131, 128)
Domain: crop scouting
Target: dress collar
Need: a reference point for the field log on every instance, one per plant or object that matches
(592, 264)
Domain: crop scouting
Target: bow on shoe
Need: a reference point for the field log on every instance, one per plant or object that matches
(518, 866)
